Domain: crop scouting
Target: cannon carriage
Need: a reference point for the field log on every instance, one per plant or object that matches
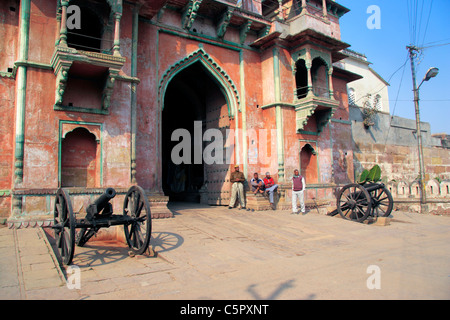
(136, 219)
(357, 202)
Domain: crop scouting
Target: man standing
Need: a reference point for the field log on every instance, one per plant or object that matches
(257, 184)
(271, 187)
(298, 186)
(237, 188)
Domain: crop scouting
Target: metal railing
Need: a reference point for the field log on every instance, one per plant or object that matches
(88, 48)
(321, 92)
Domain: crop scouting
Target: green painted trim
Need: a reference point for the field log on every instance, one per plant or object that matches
(331, 148)
(278, 114)
(341, 121)
(309, 132)
(33, 64)
(204, 39)
(133, 98)
(30, 64)
(5, 193)
(224, 81)
(125, 78)
(276, 104)
(25, 11)
(61, 122)
(276, 74)
(11, 75)
(199, 37)
(244, 112)
(82, 110)
(21, 90)
(159, 124)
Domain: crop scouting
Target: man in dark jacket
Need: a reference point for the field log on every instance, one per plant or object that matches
(237, 188)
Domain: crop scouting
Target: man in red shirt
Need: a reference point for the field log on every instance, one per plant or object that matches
(270, 188)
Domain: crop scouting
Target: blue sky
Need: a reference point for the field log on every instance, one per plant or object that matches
(404, 22)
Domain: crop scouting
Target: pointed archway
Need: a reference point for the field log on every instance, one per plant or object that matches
(194, 100)
(216, 73)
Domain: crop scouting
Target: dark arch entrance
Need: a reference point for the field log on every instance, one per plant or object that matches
(192, 97)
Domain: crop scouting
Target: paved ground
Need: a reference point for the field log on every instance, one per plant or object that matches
(216, 253)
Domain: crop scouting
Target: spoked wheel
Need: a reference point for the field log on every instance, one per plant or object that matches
(138, 231)
(64, 225)
(353, 202)
(382, 202)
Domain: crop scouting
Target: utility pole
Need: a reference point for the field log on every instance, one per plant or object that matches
(412, 53)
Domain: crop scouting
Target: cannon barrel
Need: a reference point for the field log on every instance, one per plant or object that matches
(373, 186)
(101, 203)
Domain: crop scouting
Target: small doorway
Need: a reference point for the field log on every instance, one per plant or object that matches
(308, 163)
(79, 159)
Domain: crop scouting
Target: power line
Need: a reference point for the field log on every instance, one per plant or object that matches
(396, 99)
(436, 45)
(428, 20)
(390, 77)
(437, 41)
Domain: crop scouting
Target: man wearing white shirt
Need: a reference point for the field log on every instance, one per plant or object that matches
(298, 187)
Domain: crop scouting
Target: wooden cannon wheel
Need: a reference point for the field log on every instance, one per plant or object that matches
(382, 202)
(138, 232)
(354, 202)
(64, 226)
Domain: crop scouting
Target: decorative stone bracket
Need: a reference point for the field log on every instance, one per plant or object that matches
(224, 22)
(243, 32)
(323, 109)
(190, 13)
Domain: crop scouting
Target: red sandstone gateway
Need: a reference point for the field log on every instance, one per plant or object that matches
(93, 90)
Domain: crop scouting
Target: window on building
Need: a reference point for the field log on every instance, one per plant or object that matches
(319, 74)
(377, 102)
(301, 79)
(351, 97)
(94, 18)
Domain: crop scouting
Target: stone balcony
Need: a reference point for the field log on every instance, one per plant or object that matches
(69, 62)
(318, 103)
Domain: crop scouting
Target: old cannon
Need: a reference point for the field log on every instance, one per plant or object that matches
(357, 202)
(136, 219)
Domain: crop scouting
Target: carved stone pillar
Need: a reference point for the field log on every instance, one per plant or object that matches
(116, 48)
(63, 29)
(330, 82)
(308, 64)
(324, 8)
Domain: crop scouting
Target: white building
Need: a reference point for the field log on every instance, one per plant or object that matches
(370, 91)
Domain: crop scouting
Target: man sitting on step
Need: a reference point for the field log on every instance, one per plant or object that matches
(257, 184)
(270, 188)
